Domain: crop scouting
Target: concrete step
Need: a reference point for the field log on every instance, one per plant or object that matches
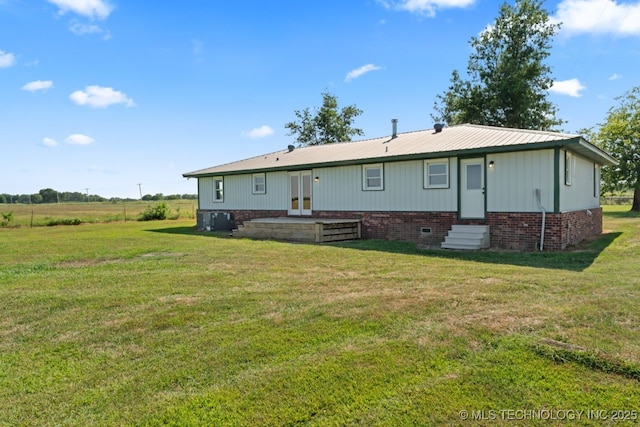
(467, 237)
(446, 245)
(470, 228)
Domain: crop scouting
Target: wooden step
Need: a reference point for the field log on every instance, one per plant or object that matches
(298, 229)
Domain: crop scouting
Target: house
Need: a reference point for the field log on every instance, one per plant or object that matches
(526, 190)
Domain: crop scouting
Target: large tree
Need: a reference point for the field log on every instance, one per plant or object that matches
(508, 80)
(49, 195)
(620, 137)
(325, 125)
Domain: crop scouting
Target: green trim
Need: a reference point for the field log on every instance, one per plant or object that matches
(475, 152)
(556, 180)
(253, 183)
(484, 189)
(364, 178)
(460, 184)
(425, 174)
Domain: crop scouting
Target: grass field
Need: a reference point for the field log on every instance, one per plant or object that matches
(150, 323)
(44, 214)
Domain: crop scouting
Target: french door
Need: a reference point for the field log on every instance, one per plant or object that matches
(300, 193)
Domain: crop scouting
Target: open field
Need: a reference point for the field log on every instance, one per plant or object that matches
(42, 214)
(150, 323)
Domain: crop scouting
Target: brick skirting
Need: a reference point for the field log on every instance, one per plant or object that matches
(509, 230)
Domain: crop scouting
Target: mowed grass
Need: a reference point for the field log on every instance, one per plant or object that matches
(154, 324)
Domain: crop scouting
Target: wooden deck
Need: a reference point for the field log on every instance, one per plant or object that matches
(316, 230)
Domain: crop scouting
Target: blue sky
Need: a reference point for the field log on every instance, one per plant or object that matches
(109, 94)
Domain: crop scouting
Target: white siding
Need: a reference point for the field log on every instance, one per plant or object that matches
(340, 188)
(510, 187)
(579, 195)
(238, 193)
(511, 183)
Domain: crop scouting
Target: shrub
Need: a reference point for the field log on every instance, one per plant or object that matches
(159, 211)
(64, 221)
(7, 217)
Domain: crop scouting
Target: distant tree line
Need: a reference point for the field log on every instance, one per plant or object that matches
(49, 195)
(161, 196)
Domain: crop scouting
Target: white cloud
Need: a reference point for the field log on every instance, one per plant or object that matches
(49, 142)
(100, 97)
(81, 29)
(425, 7)
(615, 76)
(570, 87)
(261, 132)
(6, 59)
(93, 9)
(38, 85)
(78, 139)
(354, 74)
(599, 17)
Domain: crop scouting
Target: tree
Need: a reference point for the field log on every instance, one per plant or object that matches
(49, 195)
(620, 137)
(326, 125)
(509, 81)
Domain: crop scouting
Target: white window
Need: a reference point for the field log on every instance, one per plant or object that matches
(568, 167)
(373, 177)
(259, 183)
(436, 173)
(218, 189)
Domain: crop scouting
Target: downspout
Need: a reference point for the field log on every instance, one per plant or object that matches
(544, 217)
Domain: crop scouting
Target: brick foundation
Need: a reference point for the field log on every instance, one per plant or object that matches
(509, 230)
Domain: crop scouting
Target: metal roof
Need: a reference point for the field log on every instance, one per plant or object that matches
(454, 140)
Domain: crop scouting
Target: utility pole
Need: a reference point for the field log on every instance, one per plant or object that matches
(87, 194)
(140, 188)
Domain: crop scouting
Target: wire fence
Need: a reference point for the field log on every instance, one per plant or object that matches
(616, 200)
(21, 215)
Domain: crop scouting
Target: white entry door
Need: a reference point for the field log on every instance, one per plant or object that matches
(300, 193)
(472, 198)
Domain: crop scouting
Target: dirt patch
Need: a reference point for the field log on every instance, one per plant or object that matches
(560, 344)
(491, 280)
(162, 255)
(180, 299)
(83, 263)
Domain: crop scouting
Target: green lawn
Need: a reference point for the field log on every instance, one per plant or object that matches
(150, 323)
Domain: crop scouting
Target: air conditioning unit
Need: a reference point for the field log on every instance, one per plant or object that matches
(221, 221)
